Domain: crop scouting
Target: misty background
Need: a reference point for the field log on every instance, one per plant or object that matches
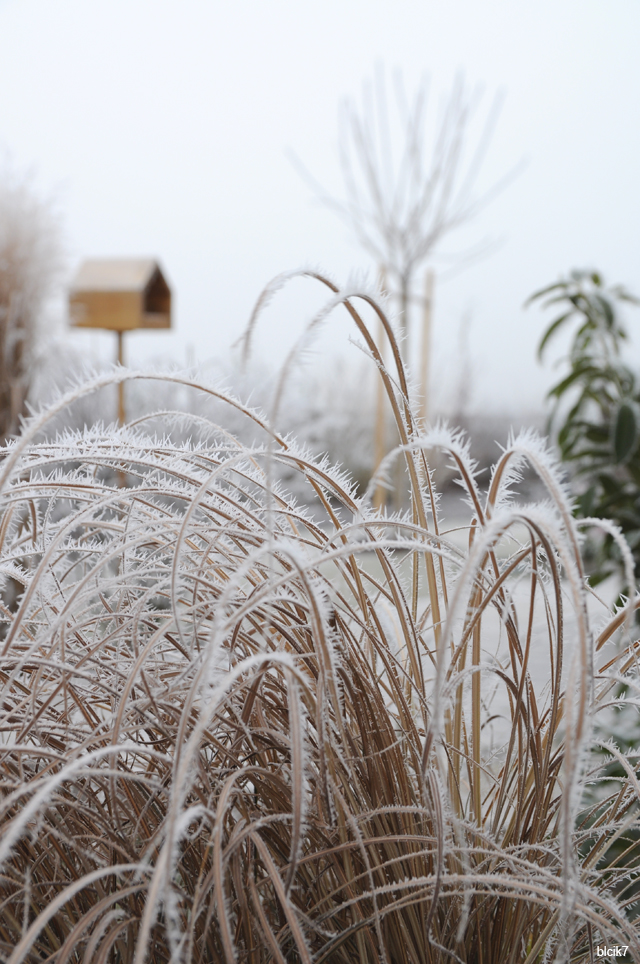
(167, 129)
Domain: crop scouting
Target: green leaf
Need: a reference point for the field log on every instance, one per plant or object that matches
(625, 432)
(606, 310)
(551, 330)
(558, 286)
(584, 371)
(586, 502)
(611, 487)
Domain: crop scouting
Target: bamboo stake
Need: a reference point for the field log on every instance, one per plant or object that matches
(425, 357)
(379, 440)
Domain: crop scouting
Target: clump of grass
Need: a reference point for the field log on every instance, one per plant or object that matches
(234, 731)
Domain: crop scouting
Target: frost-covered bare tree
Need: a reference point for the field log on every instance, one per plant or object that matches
(411, 176)
(30, 262)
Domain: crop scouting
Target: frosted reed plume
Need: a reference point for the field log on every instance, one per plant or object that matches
(232, 730)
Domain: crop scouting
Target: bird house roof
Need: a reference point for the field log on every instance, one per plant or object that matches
(115, 274)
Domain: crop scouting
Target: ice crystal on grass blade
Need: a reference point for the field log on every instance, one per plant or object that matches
(239, 727)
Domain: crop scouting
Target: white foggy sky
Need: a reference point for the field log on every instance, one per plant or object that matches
(161, 128)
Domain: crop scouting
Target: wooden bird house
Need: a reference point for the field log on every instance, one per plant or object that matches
(120, 294)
